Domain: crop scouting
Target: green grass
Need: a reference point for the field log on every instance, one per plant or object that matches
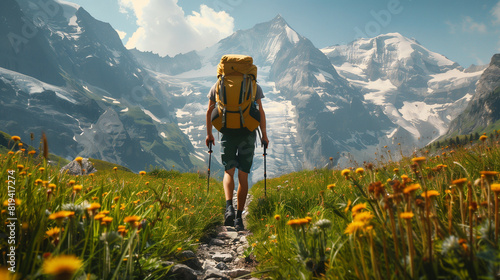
(174, 212)
(337, 241)
(312, 224)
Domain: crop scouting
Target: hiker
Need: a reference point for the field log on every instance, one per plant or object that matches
(235, 109)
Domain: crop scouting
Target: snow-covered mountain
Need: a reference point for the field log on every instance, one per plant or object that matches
(67, 74)
(71, 76)
(312, 112)
(420, 91)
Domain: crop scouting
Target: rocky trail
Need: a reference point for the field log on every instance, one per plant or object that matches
(219, 257)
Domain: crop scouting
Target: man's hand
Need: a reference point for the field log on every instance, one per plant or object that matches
(265, 141)
(210, 139)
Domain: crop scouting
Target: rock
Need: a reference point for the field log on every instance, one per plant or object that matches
(221, 266)
(209, 263)
(189, 258)
(243, 239)
(238, 273)
(223, 257)
(240, 250)
(228, 235)
(215, 274)
(74, 168)
(182, 272)
(217, 242)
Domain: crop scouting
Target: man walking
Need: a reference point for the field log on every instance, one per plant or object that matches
(235, 109)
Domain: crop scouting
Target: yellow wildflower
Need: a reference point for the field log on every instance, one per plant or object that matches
(62, 267)
(411, 188)
(406, 215)
(353, 227)
(430, 193)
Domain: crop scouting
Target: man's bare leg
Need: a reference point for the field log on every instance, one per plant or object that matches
(242, 197)
(242, 189)
(228, 183)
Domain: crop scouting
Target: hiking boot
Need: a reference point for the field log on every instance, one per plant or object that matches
(238, 224)
(229, 216)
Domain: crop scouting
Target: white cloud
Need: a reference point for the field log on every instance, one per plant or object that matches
(122, 34)
(469, 25)
(496, 13)
(165, 29)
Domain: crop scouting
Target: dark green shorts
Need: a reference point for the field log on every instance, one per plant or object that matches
(238, 149)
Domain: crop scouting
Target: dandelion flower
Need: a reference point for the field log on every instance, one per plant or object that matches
(411, 188)
(345, 172)
(396, 170)
(61, 215)
(330, 186)
(459, 182)
(115, 168)
(483, 138)
(430, 193)
(406, 215)
(107, 220)
(293, 223)
(356, 208)
(131, 219)
(277, 217)
(77, 188)
(79, 159)
(142, 173)
(53, 232)
(495, 187)
(62, 267)
(418, 159)
(363, 217)
(15, 138)
(99, 216)
(360, 171)
(489, 173)
(353, 227)
(94, 206)
(405, 178)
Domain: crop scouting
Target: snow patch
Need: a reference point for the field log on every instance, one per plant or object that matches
(147, 112)
(292, 35)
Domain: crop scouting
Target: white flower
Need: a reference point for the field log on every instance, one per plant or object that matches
(450, 244)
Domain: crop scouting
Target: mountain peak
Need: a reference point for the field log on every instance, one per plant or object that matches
(279, 19)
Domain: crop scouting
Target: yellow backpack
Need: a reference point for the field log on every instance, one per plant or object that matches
(235, 94)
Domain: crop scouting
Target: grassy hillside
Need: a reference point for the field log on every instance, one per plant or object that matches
(112, 224)
(430, 215)
(426, 216)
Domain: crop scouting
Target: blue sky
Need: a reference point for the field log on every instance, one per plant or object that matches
(467, 32)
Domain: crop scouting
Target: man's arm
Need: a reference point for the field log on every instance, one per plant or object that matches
(210, 136)
(263, 123)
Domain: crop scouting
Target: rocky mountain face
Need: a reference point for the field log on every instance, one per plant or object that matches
(68, 74)
(483, 111)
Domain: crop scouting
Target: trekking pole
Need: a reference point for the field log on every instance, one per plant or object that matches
(209, 162)
(265, 171)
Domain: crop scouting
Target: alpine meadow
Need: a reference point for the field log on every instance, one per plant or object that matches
(378, 158)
